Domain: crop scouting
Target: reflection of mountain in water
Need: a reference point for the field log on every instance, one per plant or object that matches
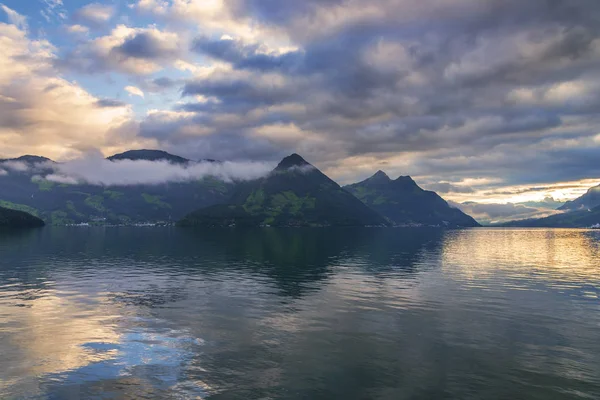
(161, 274)
(293, 258)
(297, 258)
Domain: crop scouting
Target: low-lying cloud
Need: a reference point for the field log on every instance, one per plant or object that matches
(99, 171)
(494, 213)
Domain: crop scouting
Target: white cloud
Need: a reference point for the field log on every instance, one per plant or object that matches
(498, 213)
(15, 18)
(43, 113)
(94, 169)
(78, 29)
(134, 91)
(95, 13)
(213, 17)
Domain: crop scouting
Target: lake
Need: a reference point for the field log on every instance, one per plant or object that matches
(169, 313)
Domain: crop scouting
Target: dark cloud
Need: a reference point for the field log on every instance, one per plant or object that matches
(503, 89)
(164, 82)
(146, 45)
(251, 57)
(139, 51)
(445, 187)
(234, 91)
(110, 103)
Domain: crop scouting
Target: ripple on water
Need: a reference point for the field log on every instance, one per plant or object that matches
(300, 314)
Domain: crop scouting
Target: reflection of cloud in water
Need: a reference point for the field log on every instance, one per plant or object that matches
(153, 359)
(46, 334)
(58, 344)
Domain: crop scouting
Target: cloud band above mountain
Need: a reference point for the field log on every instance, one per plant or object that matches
(96, 170)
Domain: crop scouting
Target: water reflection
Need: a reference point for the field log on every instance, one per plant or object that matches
(316, 313)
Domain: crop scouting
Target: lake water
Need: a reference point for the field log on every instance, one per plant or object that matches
(129, 313)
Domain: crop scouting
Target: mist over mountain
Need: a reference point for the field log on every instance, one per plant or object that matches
(138, 186)
(573, 219)
(586, 202)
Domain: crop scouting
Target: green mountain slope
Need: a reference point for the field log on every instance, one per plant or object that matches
(18, 219)
(58, 204)
(573, 219)
(295, 193)
(403, 202)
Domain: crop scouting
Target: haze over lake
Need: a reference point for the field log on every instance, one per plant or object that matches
(299, 313)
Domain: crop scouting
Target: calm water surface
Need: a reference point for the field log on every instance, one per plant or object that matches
(167, 313)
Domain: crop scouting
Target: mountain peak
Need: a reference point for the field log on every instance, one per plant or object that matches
(291, 161)
(406, 180)
(149, 155)
(380, 177)
(29, 159)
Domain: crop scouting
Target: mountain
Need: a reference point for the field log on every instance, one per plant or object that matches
(586, 202)
(18, 219)
(403, 202)
(573, 219)
(295, 193)
(28, 159)
(21, 188)
(149, 155)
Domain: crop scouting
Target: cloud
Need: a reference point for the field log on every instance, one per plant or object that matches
(78, 29)
(138, 51)
(94, 169)
(20, 21)
(446, 91)
(54, 10)
(446, 187)
(17, 166)
(149, 44)
(94, 14)
(251, 56)
(43, 113)
(133, 91)
(472, 88)
(498, 213)
(109, 103)
(213, 17)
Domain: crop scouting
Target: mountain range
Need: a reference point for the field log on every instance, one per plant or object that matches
(582, 212)
(403, 202)
(57, 203)
(570, 219)
(295, 193)
(586, 202)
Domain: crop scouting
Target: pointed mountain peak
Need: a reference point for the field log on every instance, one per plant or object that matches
(291, 161)
(405, 183)
(405, 179)
(380, 176)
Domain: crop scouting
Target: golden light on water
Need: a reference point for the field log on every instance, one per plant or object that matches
(49, 332)
(564, 256)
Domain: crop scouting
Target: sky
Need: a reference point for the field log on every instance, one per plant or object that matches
(493, 102)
